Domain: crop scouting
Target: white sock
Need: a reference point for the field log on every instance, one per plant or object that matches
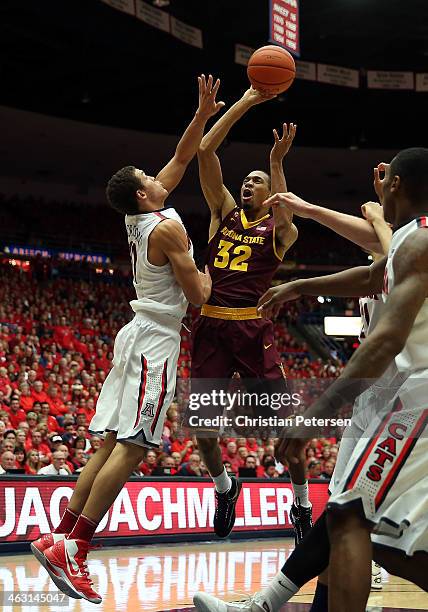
(279, 591)
(301, 495)
(222, 482)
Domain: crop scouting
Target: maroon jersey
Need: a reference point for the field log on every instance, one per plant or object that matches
(242, 260)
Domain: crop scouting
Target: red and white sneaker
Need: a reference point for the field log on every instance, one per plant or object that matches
(39, 547)
(67, 561)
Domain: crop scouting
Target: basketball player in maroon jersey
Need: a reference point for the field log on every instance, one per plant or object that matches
(247, 243)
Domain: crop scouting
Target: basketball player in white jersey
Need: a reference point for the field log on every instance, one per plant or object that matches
(384, 489)
(140, 387)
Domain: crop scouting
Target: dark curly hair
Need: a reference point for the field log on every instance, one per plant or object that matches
(121, 190)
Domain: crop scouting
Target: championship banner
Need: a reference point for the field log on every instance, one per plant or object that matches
(382, 79)
(31, 507)
(284, 24)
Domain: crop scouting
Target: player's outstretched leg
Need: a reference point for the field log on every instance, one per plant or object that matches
(227, 488)
(308, 560)
(350, 559)
(395, 562)
(301, 510)
(74, 508)
(66, 559)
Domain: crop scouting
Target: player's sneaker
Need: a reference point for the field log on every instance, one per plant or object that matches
(301, 519)
(207, 603)
(39, 547)
(67, 561)
(224, 517)
(376, 577)
(47, 540)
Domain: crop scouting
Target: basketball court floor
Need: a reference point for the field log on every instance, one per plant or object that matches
(166, 577)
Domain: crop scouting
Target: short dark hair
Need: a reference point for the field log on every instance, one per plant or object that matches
(121, 190)
(411, 165)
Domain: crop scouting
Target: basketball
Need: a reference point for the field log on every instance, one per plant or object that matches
(271, 69)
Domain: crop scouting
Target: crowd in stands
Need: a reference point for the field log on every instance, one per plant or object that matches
(61, 224)
(56, 343)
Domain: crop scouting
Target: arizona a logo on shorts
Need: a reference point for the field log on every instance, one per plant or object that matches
(149, 409)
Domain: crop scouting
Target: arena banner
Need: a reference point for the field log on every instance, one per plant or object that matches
(32, 251)
(337, 75)
(383, 79)
(422, 81)
(153, 16)
(126, 6)
(149, 507)
(284, 24)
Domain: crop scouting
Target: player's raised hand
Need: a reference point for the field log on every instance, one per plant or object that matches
(378, 182)
(299, 207)
(208, 106)
(254, 96)
(372, 211)
(270, 303)
(282, 145)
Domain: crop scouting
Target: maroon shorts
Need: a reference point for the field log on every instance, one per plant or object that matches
(221, 347)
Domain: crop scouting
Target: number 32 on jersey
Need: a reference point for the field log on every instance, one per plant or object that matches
(232, 258)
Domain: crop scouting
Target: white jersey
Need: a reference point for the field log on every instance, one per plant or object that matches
(414, 356)
(156, 287)
(371, 308)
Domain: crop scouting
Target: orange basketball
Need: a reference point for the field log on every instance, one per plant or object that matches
(271, 69)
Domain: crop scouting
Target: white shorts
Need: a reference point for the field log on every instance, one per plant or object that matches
(141, 385)
(366, 409)
(388, 471)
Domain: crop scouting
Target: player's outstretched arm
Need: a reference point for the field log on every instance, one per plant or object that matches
(173, 172)
(285, 231)
(218, 198)
(373, 212)
(355, 229)
(171, 239)
(355, 282)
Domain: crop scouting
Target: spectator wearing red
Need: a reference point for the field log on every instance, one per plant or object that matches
(37, 392)
(36, 443)
(101, 361)
(80, 459)
(96, 443)
(32, 464)
(242, 454)
(252, 445)
(57, 406)
(21, 437)
(20, 457)
(51, 421)
(149, 463)
(26, 399)
(63, 334)
(177, 459)
(15, 412)
(182, 445)
(231, 455)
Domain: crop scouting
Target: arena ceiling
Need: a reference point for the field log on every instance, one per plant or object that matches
(84, 60)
